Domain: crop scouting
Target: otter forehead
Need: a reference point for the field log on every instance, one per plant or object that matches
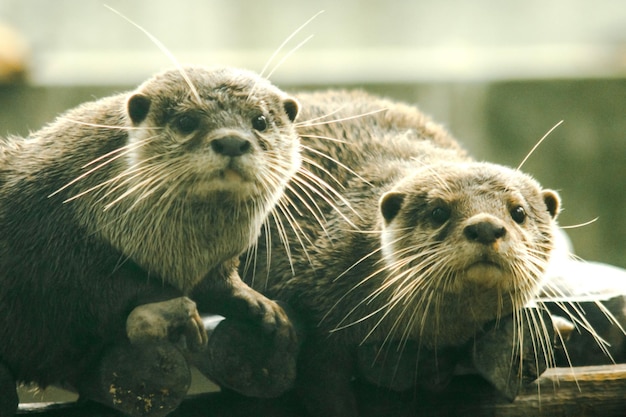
(210, 83)
(230, 91)
(454, 181)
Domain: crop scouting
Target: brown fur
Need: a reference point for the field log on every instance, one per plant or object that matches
(415, 196)
(137, 198)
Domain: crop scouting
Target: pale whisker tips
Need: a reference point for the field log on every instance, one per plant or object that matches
(575, 226)
(164, 50)
(343, 119)
(314, 163)
(124, 150)
(330, 139)
(519, 167)
(103, 162)
(286, 41)
(287, 55)
(325, 116)
(103, 126)
(279, 49)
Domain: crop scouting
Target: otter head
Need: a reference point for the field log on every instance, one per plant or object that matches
(475, 231)
(220, 133)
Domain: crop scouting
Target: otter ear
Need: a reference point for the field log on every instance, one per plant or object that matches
(292, 107)
(390, 205)
(552, 201)
(138, 106)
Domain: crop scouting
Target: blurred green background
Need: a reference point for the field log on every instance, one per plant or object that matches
(498, 74)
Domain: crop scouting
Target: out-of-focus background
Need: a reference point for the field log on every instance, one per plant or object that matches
(498, 74)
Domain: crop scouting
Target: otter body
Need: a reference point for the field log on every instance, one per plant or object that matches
(132, 199)
(424, 245)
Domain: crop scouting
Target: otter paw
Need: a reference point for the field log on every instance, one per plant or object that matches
(272, 320)
(176, 320)
(243, 357)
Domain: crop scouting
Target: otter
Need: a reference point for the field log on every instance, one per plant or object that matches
(134, 199)
(419, 244)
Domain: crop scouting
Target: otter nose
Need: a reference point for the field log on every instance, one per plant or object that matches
(231, 146)
(485, 232)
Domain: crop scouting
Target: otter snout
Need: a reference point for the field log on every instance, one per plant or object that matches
(231, 146)
(484, 230)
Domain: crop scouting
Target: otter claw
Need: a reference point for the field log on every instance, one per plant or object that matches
(167, 320)
(273, 321)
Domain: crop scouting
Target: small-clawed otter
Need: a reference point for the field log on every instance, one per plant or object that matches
(421, 243)
(131, 199)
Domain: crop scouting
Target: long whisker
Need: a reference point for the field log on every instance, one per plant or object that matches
(67, 119)
(280, 48)
(125, 149)
(122, 151)
(287, 55)
(163, 49)
(307, 200)
(330, 158)
(574, 226)
(298, 232)
(282, 45)
(331, 139)
(325, 116)
(408, 274)
(537, 145)
(357, 116)
(325, 193)
(131, 172)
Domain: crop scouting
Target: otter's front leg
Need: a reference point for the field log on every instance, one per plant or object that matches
(176, 320)
(143, 371)
(255, 349)
(242, 357)
(223, 292)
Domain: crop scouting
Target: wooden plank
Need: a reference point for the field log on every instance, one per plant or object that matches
(576, 392)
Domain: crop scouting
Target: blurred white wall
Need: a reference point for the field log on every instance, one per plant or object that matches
(82, 42)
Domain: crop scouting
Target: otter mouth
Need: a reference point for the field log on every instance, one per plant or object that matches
(234, 172)
(228, 180)
(231, 175)
(485, 263)
(487, 272)
(486, 260)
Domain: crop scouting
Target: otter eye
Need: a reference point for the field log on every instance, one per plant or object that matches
(518, 214)
(259, 123)
(187, 123)
(440, 215)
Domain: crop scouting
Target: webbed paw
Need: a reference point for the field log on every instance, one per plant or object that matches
(245, 358)
(176, 320)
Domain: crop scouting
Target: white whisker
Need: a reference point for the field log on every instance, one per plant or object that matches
(574, 226)
(298, 46)
(537, 145)
(282, 45)
(164, 50)
(357, 116)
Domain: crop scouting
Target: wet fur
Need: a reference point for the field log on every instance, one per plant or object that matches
(373, 265)
(100, 211)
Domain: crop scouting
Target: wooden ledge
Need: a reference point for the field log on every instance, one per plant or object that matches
(581, 391)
